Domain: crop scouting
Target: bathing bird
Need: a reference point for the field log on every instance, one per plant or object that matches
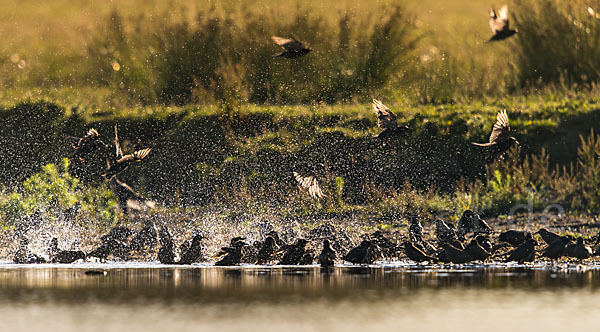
(57, 255)
(232, 255)
(485, 243)
(147, 237)
(388, 248)
(525, 252)
(499, 24)
(500, 139)
(477, 251)
(294, 253)
(267, 248)
(327, 256)
(194, 253)
(556, 249)
(514, 238)
(292, 48)
(24, 256)
(415, 254)
(457, 255)
(387, 121)
(84, 146)
(120, 162)
(166, 254)
(310, 185)
(114, 243)
(446, 234)
(366, 253)
(578, 250)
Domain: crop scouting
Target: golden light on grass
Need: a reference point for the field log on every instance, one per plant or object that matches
(116, 66)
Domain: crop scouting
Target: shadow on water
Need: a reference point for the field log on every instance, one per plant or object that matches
(273, 284)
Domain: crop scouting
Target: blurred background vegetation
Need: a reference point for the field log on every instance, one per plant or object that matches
(228, 123)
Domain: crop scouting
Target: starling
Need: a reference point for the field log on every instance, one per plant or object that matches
(415, 230)
(499, 24)
(121, 162)
(307, 259)
(386, 120)
(525, 252)
(444, 233)
(85, 145)
(548, 236)
(500, 139)
(250, 253)
(166, 254)
(465, 224)
(292, 48)
(456, 255)
(514, 238)
(485, 243)
(310, 185)
(415, 254)
(145, 238)
(24, 256)
(294, 253)
(267, 248)
(232, 255)
(556, 249)
(388, 248)
(366, 253)
(327, 256)
(128, 198)
(194, 253)
(477, 251)
(114, 243)
(63, 256)
(578, 250)
(480, 226)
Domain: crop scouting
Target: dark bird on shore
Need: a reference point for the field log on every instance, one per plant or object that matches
(465, 224)
(24, 256)
(548, 236)
(514, 238)
(500, 139)
(114, 243)
(415, 254)
(415, 230)
(294, 253)
(477, 251)
(266, 251)
(146, 238)
(250, 253)
(445, 234)
(120, 162)
(278, 241)
(166, 252)
(128, 198)
(387, 121)
(456, 255)
(388, 248)
(525, 252)
(485, 243)
(292, 48)
(366, 253)
(327, 256)
(556, 249)
(480, 226)
(194, 253)
(310, 185)
(57, 255)
(84, 146)
(231, 255)
(499, 24)
(578, 250)
(307, 259)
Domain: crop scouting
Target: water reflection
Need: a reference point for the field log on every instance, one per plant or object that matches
(279, 284)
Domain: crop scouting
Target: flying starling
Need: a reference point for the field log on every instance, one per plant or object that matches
(292, 48)
(500, 140)
(310, 185)
(327, 256)
(499, 24)
(121, 161)
(387, 121)
(85, 145)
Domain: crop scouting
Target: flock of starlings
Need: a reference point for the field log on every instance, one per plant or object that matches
(450, 245)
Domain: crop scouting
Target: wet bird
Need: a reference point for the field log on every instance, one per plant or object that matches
(415, 254)
(128, 198)
(231, 255)
(548, 236)
(24, 256)
(388, 248)
(194, 253)
(84, 146)
(266, 251)
(366, 253)
(146, 238)
(465, 224)
(166, 253)
(500, 139)
(525, 252)
(292, 48)
(310, 185)
(250, 253)
(114, 243)
(120, 162)
(514, 238)
(415, 230)
(307, 259)
(294, 253)
(556, 249)
(485, 243)
(456, 255)
(499, 24)
(578, 250)
(477, 251)
(327, 256)
(387, 121)
(57, 255)
(445, 234)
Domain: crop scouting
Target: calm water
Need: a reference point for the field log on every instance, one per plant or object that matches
(149, 297)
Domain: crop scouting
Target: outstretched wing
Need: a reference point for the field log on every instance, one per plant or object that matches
(137, 155)
(385, 118)
(499, 20)
(309, 184)
(289, 44)
(92, 133)
(501, 129)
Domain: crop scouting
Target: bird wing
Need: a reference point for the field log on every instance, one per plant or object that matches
(310, 184)
(290, 44)
(501, 129)
(499, 20)
(385, 118)
(118, 151)
(92, 133)
(141, 154)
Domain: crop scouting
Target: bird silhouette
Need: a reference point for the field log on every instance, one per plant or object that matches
(578, 250)
(267, 248)
(294, 253)
(525, 252)
(84, 146)
(57, 255)
(120, 162)
(128, 198)
(556, 249)
(499, 24)
(548, 236)
(366, 253)
(415, 254)
(310, 185)
(114, 243)
(231, 255)
(194, 253)
(292, 48)
(388, 248)
(327, 256)
(166, 254)
(477, 251)
(514, 238)
(387, 121)
(456, 255)
(500, 139)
